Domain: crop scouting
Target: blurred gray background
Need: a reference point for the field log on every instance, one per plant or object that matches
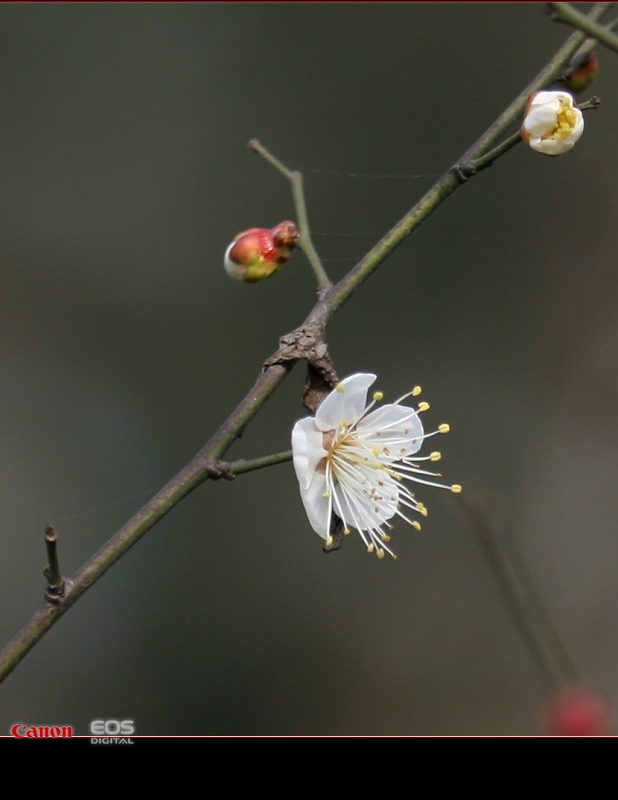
(123, 345)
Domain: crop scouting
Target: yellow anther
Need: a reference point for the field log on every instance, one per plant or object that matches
(444, 428)
(377, 396)
(416, 391)
(380, 552)
(435, 456)
(346, 531)
(329, 541)
(376, 451)
(416, 525)
(326, 495)
(340, 388)
(385, 537)
(370, 548)
(423, 406)
(456, 488)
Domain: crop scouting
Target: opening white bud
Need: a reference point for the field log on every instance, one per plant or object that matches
(552, 124)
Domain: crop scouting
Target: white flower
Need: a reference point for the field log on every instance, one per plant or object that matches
(552, 124)
(351, 462)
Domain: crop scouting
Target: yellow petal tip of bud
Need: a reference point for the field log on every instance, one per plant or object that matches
(435, 456)
(329, 541)
(377, 396)
(444, 428)
(456, 488)
(423, 406)
(416, 391)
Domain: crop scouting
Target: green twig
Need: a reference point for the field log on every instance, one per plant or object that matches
(296, 181)
(488, 159)
(241, 466)
(564, 12)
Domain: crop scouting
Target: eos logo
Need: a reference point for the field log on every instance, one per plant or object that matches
(112, 727)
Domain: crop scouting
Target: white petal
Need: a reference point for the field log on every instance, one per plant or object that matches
(541, 120)
(579, 127)
(346, 403)
(397, 428)
(551, 99)
(307, 449)
(552, 147)
(316, 505)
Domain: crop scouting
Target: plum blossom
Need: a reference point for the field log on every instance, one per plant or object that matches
(352, 459)
(552, 124)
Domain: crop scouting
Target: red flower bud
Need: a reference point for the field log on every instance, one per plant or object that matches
(258, 253)
(578, 711)
(580, 75)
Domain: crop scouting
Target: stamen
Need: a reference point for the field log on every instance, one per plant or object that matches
(456, 488)
(329, 541)
(416, 391)
(444, 428)
(377, 396)
(423, 406)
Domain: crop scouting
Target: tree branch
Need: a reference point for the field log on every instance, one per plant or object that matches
(564, 12)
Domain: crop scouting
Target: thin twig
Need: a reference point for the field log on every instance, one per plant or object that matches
(241, 466)
(488, 159)
(511, 594)
(540, 615)
(298, 193)
(564, 12)
(55, 580)
(590, 105)
(276, 369)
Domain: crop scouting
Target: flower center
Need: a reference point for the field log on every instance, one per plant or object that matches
(566, 119)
